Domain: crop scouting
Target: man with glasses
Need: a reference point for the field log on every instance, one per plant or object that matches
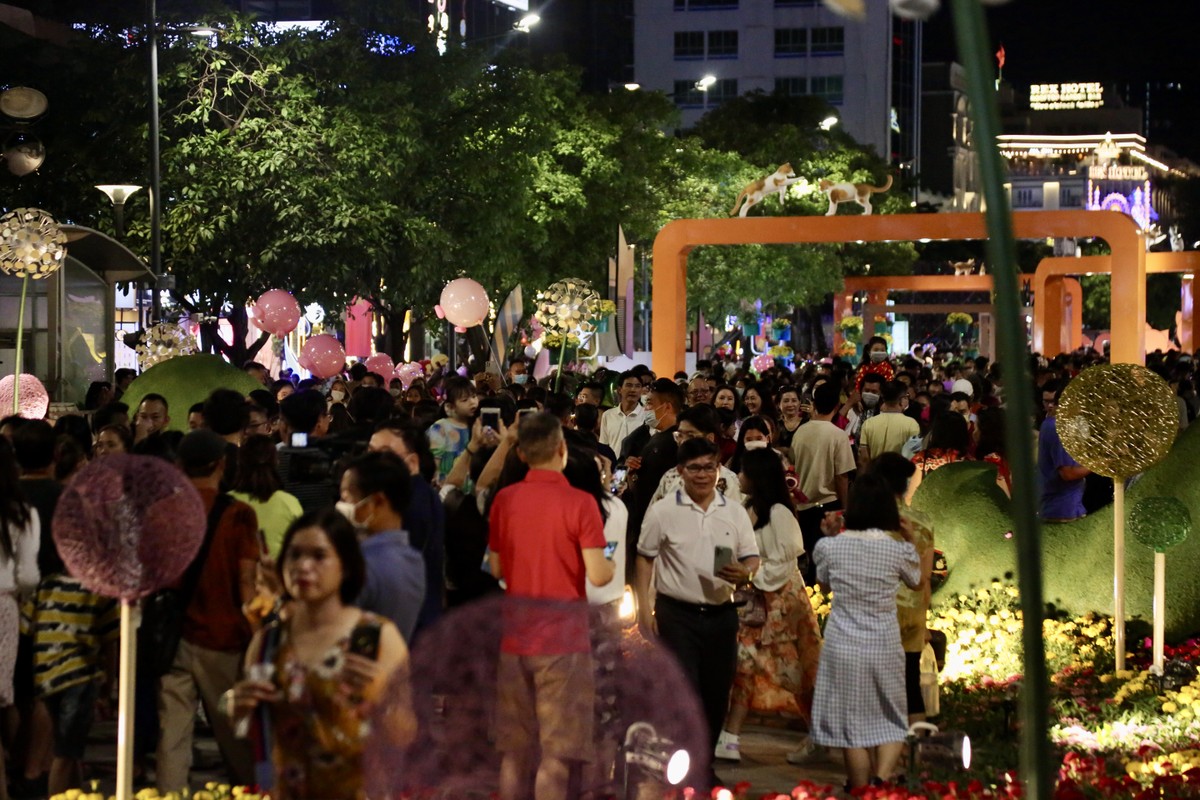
(700, 391)
(697, 545)
(699, 422)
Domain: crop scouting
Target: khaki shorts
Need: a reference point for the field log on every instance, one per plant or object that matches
(548, 701)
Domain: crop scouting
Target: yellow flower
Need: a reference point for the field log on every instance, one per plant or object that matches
(1169, 708)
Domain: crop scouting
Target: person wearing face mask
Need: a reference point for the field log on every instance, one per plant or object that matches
(824, 460)
(338, 393)
(654, 458)
(890, 429)
(863, 405)
(875, 362)
(375, 491)
(518, 371)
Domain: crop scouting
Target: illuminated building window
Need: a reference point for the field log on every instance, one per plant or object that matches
(828, 88)
(689, 44)
(828, 41)
(791, 87)
(722, 44)
(791, 42)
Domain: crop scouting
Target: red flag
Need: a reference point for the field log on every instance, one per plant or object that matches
(1000, 56)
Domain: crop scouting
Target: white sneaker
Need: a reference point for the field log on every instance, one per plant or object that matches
(728, 747)
(805, 753)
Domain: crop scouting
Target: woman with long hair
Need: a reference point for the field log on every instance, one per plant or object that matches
(257, 483)
(756, 400)
(20, 534)
(756, 433)
(778, 652)
(859, 704)
(317, 674)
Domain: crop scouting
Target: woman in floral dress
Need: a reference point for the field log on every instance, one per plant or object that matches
(777, 660)
(319, 672)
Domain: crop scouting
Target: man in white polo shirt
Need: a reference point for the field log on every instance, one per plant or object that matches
(698, 546)
(625, 417)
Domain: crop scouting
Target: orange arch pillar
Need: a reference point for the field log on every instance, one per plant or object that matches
(676, 239)
(1048, 319)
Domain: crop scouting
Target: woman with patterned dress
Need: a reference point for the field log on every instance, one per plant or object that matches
(318, 673)
(777, 660)
(859, 704)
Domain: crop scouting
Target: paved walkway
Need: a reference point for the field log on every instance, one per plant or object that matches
(763, 761)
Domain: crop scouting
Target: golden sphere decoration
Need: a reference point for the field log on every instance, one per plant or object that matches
(31, 244)
(1117, 419)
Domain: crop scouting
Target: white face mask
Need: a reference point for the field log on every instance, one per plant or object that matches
(349, 510)
(870, 399)
(394, 392)
(520, 380)
(878, 356)
(756, 444)
(337, 395)
(741, 390)
(652, 419)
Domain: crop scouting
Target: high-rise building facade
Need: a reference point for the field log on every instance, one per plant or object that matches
(868, 71)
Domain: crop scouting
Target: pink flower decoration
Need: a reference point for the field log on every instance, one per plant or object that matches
(33, 402)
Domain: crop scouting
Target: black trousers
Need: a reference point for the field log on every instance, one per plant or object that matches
(704, 640)
(810, 527)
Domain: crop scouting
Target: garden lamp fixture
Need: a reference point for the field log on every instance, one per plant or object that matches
(118, 193)
(632, 86)
(527, 23)
(946, 748)
(652, 758)
(705, 82)
(828, 123)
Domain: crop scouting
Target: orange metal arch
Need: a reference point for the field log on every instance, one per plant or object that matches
(676, 239)
(1049, 334)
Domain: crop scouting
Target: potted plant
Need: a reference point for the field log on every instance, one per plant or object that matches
(882, 324)
(782, 354)
(781, 329)
(959, 322)
(564, 348)
(751, 325)
(851, 328)
(601, 311)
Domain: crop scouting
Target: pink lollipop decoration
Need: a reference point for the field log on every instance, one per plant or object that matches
(323, 356)
(464, 303)
(407, 373)
(277, 312)
(381, 364)
(762, 362)
(128, 525)
(34, 401)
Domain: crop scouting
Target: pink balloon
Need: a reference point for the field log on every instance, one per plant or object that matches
(33, 402)
(465, 303)
(323, 356)
(277, 312)
(380, 363)
(407, 373)
(762, 362)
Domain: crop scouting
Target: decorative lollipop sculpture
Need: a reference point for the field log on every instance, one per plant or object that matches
(162, 342)
(31, 246)
(565, 309)
(1117, 420)
(1160, 523)
(127, 527)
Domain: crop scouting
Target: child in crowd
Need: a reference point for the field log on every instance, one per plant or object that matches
(449, 437)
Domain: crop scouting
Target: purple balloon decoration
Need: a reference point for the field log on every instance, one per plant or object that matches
(128, 525)
(449, 748)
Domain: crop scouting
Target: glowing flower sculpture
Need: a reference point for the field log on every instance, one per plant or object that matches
(31, 246)
(129, 525)
(567, 306)
(162, 342)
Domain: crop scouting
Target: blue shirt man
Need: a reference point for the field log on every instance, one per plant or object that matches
(1063, 478)
(375, 493)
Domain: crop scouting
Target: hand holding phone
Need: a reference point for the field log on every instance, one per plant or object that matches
(490, 417)
(722, 557)
(609, 549)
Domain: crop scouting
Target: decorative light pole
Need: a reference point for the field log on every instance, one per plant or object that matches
(118, 193)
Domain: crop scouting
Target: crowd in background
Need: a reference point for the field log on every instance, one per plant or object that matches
(345, 516)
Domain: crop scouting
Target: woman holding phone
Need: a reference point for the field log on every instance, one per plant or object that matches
(316, 675)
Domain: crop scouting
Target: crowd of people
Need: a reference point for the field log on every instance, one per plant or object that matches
(345, 516)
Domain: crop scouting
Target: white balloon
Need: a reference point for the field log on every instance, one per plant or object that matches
(531, 352)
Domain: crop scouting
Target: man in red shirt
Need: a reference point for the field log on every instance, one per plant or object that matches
(546, 539)
(215, 631)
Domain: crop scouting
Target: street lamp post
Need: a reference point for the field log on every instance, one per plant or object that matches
(118, 194)
(155, 165)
